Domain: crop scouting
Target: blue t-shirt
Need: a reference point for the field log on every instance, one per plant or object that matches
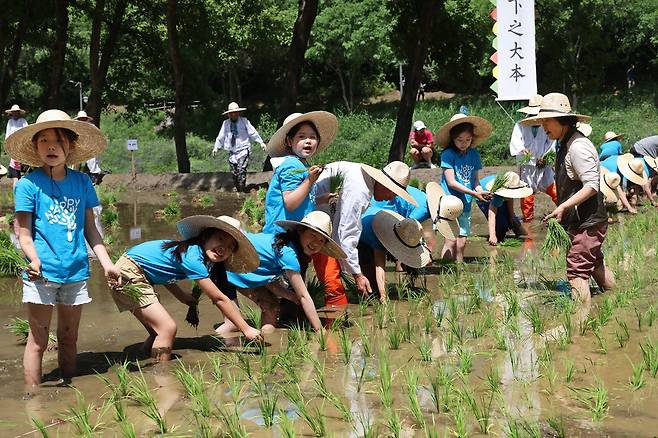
(465, 165)
(161, 267)
(610, 148)
(496, 201)
(610, 163)
(58, 221)
(368, 235)
(404, 208)
(272, 265)
(287, 177)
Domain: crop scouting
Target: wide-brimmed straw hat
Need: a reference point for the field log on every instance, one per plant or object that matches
(3, 170)
(554, 105)
(83, 117)
(394, 176)
(91, 141)
(321, 222)
(584, 128)
(233, 107)
(444, 210)
(403, 238)
(533, 106)
(609, 183)
(15, 109)
(611, 135)
(244, 258)
(481, 129)
(652, 163)
(514, 188)
(325, 122)
(632, 169)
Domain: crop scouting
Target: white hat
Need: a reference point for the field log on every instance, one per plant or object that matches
(82, 116)
(244, 258)
(90, 143)
(514, 188)
(233, 107)
(394, 176)
(609, 183)
(325, 122)
(481, 129)
(3, 170)
(15, 109)
(403, 238)
(632, 169)
(444, 210)
(611, 135)
(321, 222)
(533, 106)
(418, 125)
(584, 128)
(651, 162)
(554, 105)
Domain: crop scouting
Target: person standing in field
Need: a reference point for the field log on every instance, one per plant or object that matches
(530, 144)
(236, 136)
(15, 122)
(94, 163)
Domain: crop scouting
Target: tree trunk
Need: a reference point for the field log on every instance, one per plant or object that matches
(99, 60)
(306, 13)
(417, 48)
(343, 87)
(9, 69)
(59, 52)
(179, 77)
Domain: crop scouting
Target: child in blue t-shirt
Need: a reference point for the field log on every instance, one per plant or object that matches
(290, 194)
(54, 212)
(611, 145)
(460, 164)
(499, 211)
(283, 254)
(208, 242)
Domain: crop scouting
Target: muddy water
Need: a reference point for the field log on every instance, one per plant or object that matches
(532, 390)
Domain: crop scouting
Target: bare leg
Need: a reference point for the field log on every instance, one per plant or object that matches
(461, 245)
(604, 277)
(449, 250)
(427, 155)
(37, 342)
(580, 290)
(268, 303)
(68, 321)
(158, 319)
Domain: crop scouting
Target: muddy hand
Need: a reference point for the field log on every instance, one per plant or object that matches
(33, 270)
(253, 335)
(314, 173)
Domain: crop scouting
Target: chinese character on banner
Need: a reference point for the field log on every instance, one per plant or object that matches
(517, 78)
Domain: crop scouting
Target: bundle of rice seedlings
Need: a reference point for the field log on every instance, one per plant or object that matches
(297, 171)
(549, 158)
(510, 242)
(499, 182)
(21, 328)
(12, 262)
(192, 316)
(336, 180)
(5, 240)
(132, 291)
(526, 159)
(557, 239)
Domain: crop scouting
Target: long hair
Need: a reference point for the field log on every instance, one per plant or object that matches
(289, 237)
(181, 246)
(455, 131)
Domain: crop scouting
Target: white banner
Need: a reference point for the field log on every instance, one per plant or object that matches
(517, 77)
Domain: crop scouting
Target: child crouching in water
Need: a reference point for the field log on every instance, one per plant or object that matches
(499, 211)
(281, 254)
(206, 241)
(54, 211)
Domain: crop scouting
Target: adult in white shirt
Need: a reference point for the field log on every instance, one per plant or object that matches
(93, 164)
(360, 184)
(16, 122)
(236, 136)
(529, 144)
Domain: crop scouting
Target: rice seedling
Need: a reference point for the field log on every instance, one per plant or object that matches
(557, 426)
(41, 427)
(532, 314)
(481, 411)
(569, 371)
(549, 158)
(12, 262)
(132, 291)
(140, 392)
(510, 242)
(499, 182)
(21, 328)
(408, 330)
(194, 385)
(650, 357)
(457, 330)
(267, 400)
(337, 402)
(345, 346)
(600, 340)
(557, 239)
(385, 381)
(638, 316)
(365, 427)
(425, 350)
(315, 420)
(500, 339)
(460, 430)
(606, 311)
(394, 337)
(393, 423)
(80, 416)
(361, 374)
(205, 201)
(412, 395)
(637, 377)
(253, 208)
(478, 329)
(217, 367)
(428, 322)
(594, 398)
(465, 364)
(531, 429)
(441, 383)
(380, 315)
(285, 426)
(651, 315)
(366, 349)
(624, 336)
(550, 374)
(229, 416)
(493, 380)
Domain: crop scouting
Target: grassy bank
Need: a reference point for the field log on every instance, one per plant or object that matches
(364, 135)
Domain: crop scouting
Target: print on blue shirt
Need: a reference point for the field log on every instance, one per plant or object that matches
(465, 165)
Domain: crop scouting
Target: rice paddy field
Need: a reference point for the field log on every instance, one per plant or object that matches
(494, 347)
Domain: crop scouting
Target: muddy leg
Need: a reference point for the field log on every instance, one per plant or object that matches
(604, 277)
(158, 319)
(461, 245)
(37, 342)
(449, 250)
(68, 321)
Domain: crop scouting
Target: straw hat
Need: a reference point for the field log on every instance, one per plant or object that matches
(554, 105)
(418, 125)
(91, 141)
(651, 162)
(444, 210)
(609, 183)
(481, 129)
(233, 107)
(514, 188)
(3, 170)
(533, 106)
(244, 258)
(321, 222)
(83, 117)
(14, 109)
(584, 128)
(325, 122)
(403, 238)
(395, 177)
(611, 135)
(632, 169)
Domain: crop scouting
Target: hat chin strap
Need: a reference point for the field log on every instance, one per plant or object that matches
(438, 214)
(394, 181)
(395, 231)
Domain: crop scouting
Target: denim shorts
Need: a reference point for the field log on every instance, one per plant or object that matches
(464, 221)
(50, 293)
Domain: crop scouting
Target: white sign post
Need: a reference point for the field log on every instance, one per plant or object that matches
(132, 146)
(517, 76)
